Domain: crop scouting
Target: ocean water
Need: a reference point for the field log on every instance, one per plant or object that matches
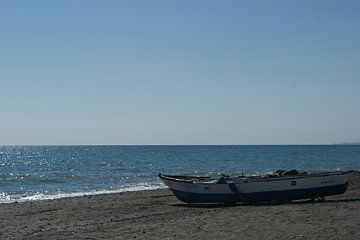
(47, 172)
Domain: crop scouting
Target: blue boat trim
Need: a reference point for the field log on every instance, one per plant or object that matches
(260, 196)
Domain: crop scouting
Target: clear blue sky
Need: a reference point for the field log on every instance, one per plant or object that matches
(179, 72)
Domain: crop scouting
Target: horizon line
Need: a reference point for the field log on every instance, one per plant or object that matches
(258, 144)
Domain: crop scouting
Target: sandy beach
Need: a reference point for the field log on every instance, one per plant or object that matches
(157, 214)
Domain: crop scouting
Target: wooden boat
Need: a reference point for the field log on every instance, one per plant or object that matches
(282, 186)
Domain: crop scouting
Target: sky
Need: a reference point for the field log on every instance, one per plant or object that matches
(179, 72)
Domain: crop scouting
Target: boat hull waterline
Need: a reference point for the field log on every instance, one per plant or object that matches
(256, 189)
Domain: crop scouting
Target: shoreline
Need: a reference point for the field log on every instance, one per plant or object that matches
(42, 197)
(157, 214)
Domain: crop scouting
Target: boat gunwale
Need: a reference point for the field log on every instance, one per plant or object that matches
(250, 179)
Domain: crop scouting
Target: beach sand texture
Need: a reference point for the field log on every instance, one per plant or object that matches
(157, 214)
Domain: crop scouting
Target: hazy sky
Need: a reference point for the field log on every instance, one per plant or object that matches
(179, 72)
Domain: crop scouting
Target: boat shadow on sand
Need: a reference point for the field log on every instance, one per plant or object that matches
(297, 202)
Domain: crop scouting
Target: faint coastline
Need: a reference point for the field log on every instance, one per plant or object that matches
(347, 143)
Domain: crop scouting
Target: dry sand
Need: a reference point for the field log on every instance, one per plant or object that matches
(159, 215)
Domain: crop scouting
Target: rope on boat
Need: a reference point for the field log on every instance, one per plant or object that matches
(236, 190)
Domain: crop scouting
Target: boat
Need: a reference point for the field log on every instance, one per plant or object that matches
(281, 186)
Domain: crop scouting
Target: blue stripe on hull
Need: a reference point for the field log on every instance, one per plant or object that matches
(260, 196)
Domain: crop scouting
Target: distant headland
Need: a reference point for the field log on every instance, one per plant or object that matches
(348, 143)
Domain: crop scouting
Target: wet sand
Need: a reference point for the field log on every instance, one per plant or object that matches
(158, 214)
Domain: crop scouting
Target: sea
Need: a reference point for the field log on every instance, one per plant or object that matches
(30, 173)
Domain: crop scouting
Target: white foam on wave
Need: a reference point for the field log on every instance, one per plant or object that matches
(4, 198)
